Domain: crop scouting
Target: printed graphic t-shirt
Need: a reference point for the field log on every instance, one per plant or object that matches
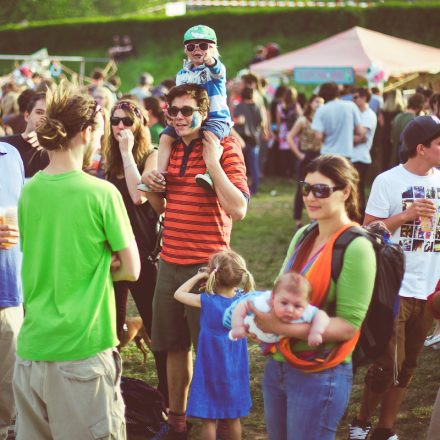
(393, 192)
(69, 225)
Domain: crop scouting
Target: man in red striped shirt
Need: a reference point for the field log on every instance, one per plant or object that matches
(197, 223)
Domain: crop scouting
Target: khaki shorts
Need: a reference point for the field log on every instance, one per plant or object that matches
(70, 400)
(397, 365)
(175, 325)
(11, 319)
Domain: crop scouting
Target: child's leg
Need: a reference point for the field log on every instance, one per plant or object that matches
(234, 426)
(208, 430)
(167, 138)
(164, 152)
(220, 129)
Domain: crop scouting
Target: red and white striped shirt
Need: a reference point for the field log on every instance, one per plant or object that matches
(196, 225)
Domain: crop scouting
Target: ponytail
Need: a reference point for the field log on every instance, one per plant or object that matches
(248, 282)
(210, 282)
(228, 269)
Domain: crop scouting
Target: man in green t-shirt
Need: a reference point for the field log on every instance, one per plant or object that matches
(76, 239)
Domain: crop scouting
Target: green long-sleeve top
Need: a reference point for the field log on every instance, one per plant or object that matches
(350, 296)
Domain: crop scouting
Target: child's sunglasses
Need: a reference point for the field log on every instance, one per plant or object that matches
(319, 190)
(186, 110)
(127, 121)
(192, 46)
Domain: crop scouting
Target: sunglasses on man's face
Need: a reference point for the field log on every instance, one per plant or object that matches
(190, 47)
(127, 121)
(186, 110)
(319, 190)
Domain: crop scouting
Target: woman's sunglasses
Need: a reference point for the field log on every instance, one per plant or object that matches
(319, 190)
(192, 46)
(186, 110)
(127, 121)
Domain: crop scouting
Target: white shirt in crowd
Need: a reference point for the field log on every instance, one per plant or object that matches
(394, 191)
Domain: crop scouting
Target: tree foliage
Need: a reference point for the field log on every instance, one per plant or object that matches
(17, 11)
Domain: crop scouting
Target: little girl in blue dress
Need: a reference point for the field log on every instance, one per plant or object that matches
(220, 387)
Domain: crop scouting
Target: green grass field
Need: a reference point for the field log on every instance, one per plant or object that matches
(262, 238)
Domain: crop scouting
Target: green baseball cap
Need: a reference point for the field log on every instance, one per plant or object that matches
(200, 32)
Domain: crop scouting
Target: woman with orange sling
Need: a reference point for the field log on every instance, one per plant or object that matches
(306, 390)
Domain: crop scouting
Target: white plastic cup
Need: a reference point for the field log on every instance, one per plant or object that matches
(8, 216)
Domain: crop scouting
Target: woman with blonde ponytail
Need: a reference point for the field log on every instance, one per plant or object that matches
(220, 387)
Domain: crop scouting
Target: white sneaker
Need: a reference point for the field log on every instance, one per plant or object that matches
(146, 188)
(358, 432)
(432, 340)
(205, 181)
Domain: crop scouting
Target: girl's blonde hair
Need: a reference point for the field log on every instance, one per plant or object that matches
(228, 269)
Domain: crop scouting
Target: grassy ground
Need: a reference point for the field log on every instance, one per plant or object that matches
(262, 238)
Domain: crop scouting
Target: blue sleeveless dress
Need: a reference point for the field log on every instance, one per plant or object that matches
(220, 387)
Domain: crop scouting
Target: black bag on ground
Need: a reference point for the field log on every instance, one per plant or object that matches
(378, 325)
(144, 407)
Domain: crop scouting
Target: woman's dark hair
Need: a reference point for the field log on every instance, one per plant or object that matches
(434, 101)
(342, 173)
(142, 139)
(153, 105)
(279, 92)
(67, 113)
(308, 111)
(247, 93)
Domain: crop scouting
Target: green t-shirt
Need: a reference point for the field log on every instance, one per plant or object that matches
(155, 131)
(69, 225)
(350, 296)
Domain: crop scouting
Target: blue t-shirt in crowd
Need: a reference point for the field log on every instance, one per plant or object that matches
(11, 183)
(337, 120)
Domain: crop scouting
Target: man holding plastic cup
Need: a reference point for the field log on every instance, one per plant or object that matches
(11, 311)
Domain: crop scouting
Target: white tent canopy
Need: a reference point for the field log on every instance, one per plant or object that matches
(358, 48)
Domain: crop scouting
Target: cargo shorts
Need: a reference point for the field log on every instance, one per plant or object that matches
(175, 325)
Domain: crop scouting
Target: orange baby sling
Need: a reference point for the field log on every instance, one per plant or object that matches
(319, 276)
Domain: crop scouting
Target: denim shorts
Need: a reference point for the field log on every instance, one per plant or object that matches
(304, 406)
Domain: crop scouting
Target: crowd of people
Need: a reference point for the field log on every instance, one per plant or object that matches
(92, 173)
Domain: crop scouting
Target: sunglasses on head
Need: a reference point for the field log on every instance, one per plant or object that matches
(192, 46)
(186, 110)
(127, 121)
(96, 110)
(126, 106)
(319, 190)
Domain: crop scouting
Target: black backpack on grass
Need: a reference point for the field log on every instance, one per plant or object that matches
(144, 407)
(378, 325)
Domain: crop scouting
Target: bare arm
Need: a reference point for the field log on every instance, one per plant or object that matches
(183, 293)
(360, 130)
(319, 136)
(422, 207)
(337, 330)
(319, 324)
(230, 197)
(131, 173)
(238, 327)
(129, 265)
(295, 131)
(157, 203)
